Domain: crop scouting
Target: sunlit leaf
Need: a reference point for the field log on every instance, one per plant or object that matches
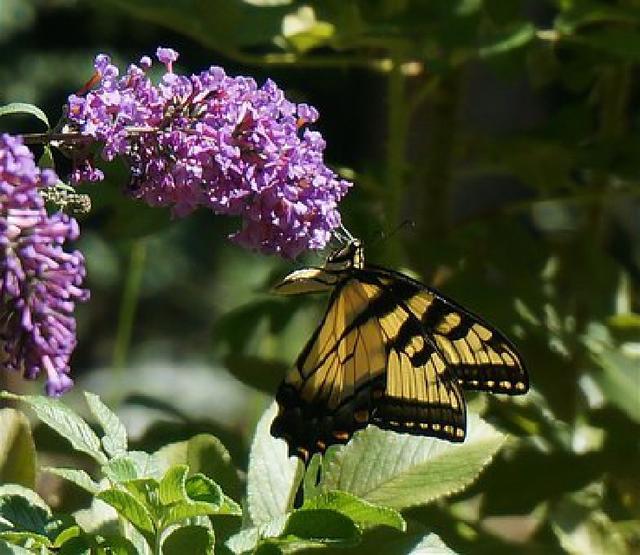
(129, 507)
(65, 422)
(272, 476)
(400, 470)
(115, 438)
(17, 450)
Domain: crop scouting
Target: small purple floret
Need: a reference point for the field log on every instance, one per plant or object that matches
(39, 281)
(219, 142)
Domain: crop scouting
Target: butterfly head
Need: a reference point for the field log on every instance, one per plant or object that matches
(351, 255)
(316, 280)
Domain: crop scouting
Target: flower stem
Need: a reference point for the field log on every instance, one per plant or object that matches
(128, 307)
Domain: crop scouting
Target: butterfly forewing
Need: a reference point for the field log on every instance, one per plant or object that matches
(481, 357)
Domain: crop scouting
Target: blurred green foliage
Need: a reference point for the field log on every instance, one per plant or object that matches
(507, 132)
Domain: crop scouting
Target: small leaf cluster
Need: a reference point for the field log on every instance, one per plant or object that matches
(159, 507)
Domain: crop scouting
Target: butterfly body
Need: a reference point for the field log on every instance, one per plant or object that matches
(389, 352)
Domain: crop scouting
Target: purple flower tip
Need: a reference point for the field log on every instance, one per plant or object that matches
(166, 55)
(39, 281)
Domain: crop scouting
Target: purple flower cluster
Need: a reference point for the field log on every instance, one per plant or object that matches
(39, 281)
(214, 141)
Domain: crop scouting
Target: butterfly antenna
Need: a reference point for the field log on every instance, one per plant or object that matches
(383, 235)
(343, 234)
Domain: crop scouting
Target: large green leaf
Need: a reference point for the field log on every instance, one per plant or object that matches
(17, 450)
(64, 421)
(400, 470)
(272, 476)
(115, 434)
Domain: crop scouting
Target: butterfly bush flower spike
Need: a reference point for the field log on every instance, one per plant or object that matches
(39, 281)
(219, 142)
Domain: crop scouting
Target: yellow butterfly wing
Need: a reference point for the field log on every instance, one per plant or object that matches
(480, 356)
(368, 361)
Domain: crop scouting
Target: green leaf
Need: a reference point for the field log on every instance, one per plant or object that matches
(619, 378)
(146, 466)
(400, 470)
(17, 450)
(431, 545)
(23, 515)
(205, 498)
(10, 549)
(196, 540)
(129, 507)
(65, 422)
(24, 108)
(79, 477)
(364, 514)
(115, 438)
(67, 534)
(121, 469)
(244, 541)
(206, 454)
(516, 37)
(172, 485)
(229, 507)
(201, 488)
(322, 525)
(304, 31)
(31, 496)
(272, 476)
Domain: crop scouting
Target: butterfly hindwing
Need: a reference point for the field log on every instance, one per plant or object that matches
(329, 393)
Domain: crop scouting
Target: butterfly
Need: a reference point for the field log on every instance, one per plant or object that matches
(390, 352)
